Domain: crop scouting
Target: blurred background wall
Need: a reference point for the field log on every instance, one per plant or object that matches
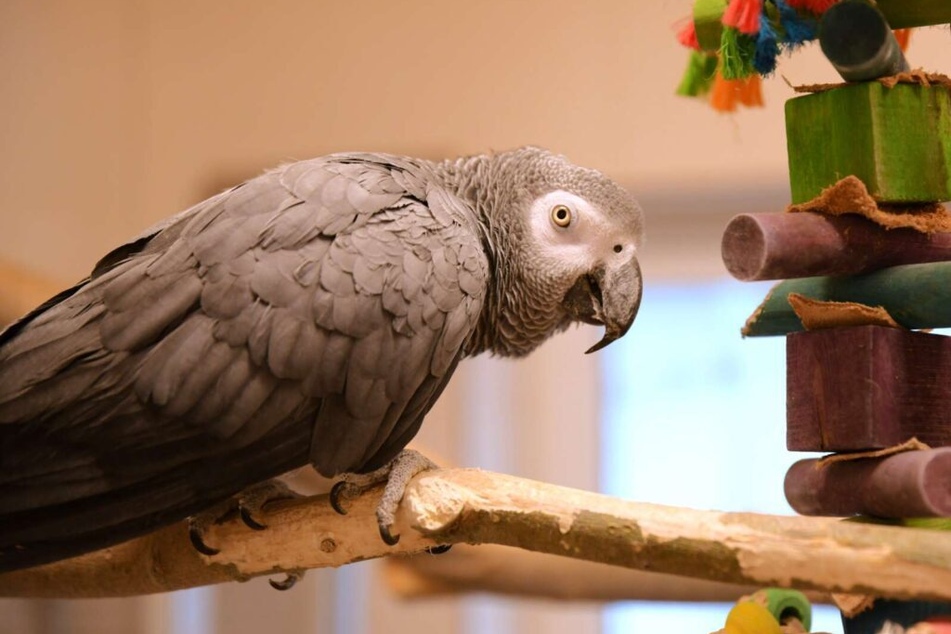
(116, 113)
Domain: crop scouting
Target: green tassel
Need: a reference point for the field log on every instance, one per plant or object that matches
(737, 52)
(698, 76)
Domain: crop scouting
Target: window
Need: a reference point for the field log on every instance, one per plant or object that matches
(694, 416)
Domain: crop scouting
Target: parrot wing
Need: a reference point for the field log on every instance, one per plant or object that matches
(313, 314)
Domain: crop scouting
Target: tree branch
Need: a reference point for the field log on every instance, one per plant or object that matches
(462, 505)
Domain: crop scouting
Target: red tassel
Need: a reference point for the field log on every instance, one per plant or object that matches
(687, 35)
(903, 36)
(743, 15)
(813, 6)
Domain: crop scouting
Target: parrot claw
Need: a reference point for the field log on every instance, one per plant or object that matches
(289, 581)
(388, 538)
(247, 503)
(439, 550)
(195, 535)
(336, 494)
(249, 520)
(397, 474)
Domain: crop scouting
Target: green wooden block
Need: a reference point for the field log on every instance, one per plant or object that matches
(903, 14)
(896, 140)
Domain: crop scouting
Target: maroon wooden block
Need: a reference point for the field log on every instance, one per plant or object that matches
(908, 484)
(867, 387)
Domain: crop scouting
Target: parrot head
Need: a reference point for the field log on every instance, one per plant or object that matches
(564, 240)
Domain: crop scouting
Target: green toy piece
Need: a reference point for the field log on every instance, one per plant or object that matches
(783, 603)
(895, 140)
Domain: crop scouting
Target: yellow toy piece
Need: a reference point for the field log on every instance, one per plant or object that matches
(749, 617)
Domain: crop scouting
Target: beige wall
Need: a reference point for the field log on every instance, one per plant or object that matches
(116, 113)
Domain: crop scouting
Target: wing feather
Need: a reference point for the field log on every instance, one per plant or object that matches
(311, 314)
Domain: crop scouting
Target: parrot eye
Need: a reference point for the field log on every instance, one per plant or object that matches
(561, 215)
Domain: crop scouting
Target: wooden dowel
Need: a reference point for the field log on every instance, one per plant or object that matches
(909, 484)
(774, 246)
(915, 295)
(856, 38)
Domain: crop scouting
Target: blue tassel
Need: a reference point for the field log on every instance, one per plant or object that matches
(767, 47)
(796, 28)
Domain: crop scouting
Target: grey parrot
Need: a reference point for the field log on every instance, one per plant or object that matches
(309, 316)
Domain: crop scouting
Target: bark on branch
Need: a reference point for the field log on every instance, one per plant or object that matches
(463, 505)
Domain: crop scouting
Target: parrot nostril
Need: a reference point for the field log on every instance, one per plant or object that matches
(618, 248)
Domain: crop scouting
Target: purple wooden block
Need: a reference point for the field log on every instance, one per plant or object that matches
(867, 387)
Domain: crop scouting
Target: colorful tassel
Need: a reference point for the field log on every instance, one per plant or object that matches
(817, 7)
(796, 29)
(736, 53)
(728, 94)
(698, 77)
(767, 47)
(903, 36)
(687, 35)
(743, 15)
(750, 92)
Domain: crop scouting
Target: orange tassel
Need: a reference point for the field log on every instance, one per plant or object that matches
(743, 15)
(687, 35)
(751, 92)
(723, 95)
(728, 94)
(903, 36)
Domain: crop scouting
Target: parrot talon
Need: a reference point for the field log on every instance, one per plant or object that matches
(289, 581)
(247, 503)
(249, 520)
(336, 494)
(195, 535)
(439, 550)
(388, 538)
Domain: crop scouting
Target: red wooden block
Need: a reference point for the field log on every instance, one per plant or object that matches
(866, 387)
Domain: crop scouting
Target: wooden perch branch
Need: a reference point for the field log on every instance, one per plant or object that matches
(523, 573)
(472, 506)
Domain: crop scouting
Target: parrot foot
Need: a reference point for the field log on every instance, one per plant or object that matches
(397, 474)
(247, 504)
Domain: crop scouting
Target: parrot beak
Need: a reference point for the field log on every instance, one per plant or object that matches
(608, 296)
